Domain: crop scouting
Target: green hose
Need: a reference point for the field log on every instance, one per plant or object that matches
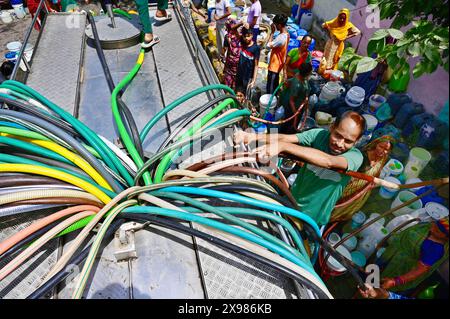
(225, 119)
(34, 149)
(179, 144)
(106, 154)
(122, 13)
(235, 220)
(261, 214)
(128, 142)
(167, 159)
(178, 101)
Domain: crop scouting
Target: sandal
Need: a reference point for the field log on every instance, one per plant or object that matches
(147, 45)
(162, 19)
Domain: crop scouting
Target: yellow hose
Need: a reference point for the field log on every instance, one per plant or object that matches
(44, 171)
(71, 156)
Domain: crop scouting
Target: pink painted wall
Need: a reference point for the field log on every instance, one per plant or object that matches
(432, 90)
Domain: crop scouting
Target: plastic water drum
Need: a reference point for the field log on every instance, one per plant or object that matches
(293, 44)
(306, 21)
(301, 32)
(375, 101)
(396, 101)
(355, 96)
(436, 211)
(5, 17)
(264, 102)
(405, 113)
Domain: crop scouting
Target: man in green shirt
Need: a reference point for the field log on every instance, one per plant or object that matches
(317, 187)
(294, 93)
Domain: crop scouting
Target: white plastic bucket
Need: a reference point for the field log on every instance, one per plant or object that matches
(397, 221)
(333, 239)
(389, 193)
(19, 11)
(418, 160)
(264, 102)
(403, 197)
(371, 122)
(334, 264)
(14, 46)
(5, 17)
(28, 52)
(355, 96)
(414, 181)
(392, 168)
(367, 246)
(436, 210)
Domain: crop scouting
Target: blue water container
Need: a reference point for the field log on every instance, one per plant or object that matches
(15, 2)
(315, 64)
(396, 101)
(416, 123)
(405, 113)
(441, 163)
(313, 45)
(293, 44)
(432, 134)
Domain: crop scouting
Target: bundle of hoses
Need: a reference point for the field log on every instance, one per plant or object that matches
(49, 159)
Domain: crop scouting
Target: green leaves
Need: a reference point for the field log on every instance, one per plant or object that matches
(366, 64)
(396, 34)
(380, 34)
(414, 49)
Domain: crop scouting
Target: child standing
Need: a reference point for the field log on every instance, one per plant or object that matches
(248, 62)
(279, 47)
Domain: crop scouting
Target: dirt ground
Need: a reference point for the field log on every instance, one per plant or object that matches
(15, 31)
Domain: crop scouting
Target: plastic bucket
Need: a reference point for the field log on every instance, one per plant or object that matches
(28, 52)
(334, 264)
(336, 75)
(371, 122)
(436, 211)
(392, 168)
(19, 11)
(333, 239)
(264, 103)
(403, 197)
(350, 243)
(358, 219)
(358, 258)
(14, 46)
(375, 101)
(418, 160)
(414, 181)
(355, 96)
(5, 17)
(11, 56)
(389, 193)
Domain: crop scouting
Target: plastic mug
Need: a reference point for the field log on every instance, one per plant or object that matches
(358, 219)
(418, 160)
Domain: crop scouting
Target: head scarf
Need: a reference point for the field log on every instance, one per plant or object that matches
(340, 32)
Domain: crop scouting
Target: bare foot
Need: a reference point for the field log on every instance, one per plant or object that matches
(148, 37)
(161, 13)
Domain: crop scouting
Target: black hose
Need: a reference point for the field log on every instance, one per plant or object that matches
(125, 113)
(36, 112)
(192, 117)
(75, 260)
(21, 244)
(349, 265)
(228, 246)
(95, 163)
